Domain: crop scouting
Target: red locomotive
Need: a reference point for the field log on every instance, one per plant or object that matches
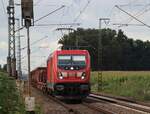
(67, 74)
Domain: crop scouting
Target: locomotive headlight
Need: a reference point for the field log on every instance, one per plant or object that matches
(60, 76)
(79, 74)
(83, 76)
(64, 74)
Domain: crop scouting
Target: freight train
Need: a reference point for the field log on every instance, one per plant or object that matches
(67, 74)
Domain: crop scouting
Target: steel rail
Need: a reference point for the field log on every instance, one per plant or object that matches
(75, 111)
(126, 99)
(97, 108)
(68, 108)
(122, 103)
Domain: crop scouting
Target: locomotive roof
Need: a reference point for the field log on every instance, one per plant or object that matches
(67, 51)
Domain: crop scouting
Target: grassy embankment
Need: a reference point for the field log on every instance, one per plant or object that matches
(10, 100)
(129, 84)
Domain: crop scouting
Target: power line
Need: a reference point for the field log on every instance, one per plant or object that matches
(49, 14)
(43, 17)
(32, 52)
(144, 10)
(61, 24)
(125, 24)
(132, 16)
(35, 42)
(82, 11)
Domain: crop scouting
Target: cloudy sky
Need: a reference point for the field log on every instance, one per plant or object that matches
(86, 12)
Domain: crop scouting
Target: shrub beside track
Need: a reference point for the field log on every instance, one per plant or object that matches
(10, 101)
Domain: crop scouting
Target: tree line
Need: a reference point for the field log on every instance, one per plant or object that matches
(118, 51)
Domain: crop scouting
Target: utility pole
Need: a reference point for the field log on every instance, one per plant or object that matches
(100, 55)
(11, 59)
(18, 51)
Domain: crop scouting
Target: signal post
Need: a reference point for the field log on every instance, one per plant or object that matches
(28, 21)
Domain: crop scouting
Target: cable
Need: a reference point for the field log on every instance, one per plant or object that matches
(132, 16)
(140, 13)
(34, 51)
(43, 17)
(89, 1)
(49, 14)
(35, 42)
(125, 24)
(62, 24)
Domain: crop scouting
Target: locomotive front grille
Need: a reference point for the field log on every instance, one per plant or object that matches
(71, 74)
(72, 89)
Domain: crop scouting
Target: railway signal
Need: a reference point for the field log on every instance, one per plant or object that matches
(27, 13)
(27, 21)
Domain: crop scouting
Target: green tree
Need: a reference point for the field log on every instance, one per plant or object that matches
(119, 51)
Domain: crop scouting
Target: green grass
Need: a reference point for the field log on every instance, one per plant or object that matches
(134, 84)
(10, 101)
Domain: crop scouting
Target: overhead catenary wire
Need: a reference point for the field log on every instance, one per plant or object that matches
(35, 42)
(61, 24)
(49, 14)
(133, 16)
(32, 52)
(44, 16)
(140, 13)
(125, 24)
(82, 11)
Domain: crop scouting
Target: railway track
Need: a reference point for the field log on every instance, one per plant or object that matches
(85, 107)
(72, 109)
(97, 108)
(96, 104)
(141, 107)
(67, 107)
(131, 100)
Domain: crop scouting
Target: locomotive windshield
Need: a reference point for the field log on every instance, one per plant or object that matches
(72, 61)
(64, 60)
(78, 60)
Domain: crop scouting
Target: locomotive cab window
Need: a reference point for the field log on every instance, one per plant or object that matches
(79, 60)
(68, 61)
(64, 60)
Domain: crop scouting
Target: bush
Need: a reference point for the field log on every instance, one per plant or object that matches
(10, 102)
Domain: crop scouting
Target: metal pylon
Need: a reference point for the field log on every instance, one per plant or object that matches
(11, 59)
(19, 71)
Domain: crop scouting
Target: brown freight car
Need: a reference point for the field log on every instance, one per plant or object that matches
(38, 78)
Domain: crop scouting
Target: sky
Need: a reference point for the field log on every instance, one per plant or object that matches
(85, 12)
